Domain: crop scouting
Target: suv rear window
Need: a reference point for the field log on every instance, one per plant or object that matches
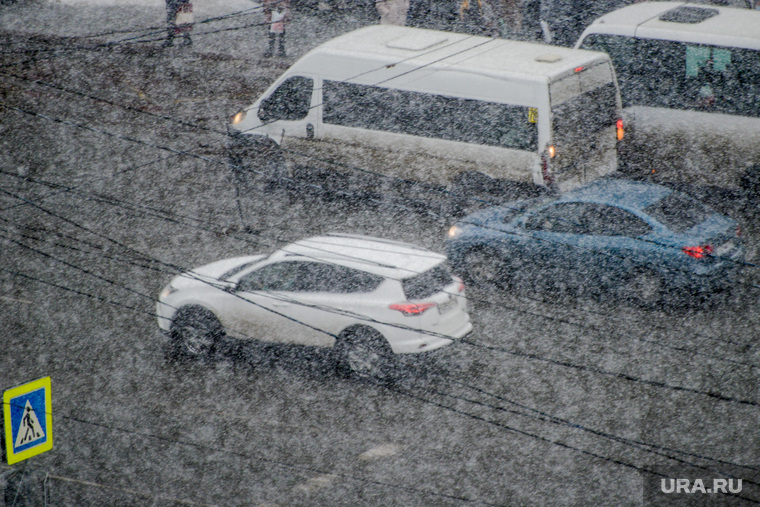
(427, 283)
(679, 212)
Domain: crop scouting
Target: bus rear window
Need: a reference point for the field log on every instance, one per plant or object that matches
(585, 114)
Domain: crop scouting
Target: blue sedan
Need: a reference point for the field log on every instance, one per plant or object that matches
(636, 238)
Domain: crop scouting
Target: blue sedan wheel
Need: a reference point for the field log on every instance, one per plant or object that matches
(645, 288)
(486, 268)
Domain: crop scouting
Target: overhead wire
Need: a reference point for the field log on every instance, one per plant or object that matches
(588, 326)
(133, 140)
(264, 459)
(207, 159)
(590, 369)
(542, 438)
(595, 454)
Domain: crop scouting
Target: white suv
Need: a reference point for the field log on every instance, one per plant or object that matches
(368, 298)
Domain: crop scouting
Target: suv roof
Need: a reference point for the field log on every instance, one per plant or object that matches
(390, 259)
(725, 26)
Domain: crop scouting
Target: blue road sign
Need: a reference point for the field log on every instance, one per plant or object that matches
(28, 420)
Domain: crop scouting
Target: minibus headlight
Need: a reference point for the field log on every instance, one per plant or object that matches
(454, 231)
(238, 118)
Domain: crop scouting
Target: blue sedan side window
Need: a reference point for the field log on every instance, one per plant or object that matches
(614, 221)
(563, 218)
(587, 219)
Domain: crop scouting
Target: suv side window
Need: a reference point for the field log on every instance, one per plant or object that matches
(290, 101)
(281, 276)
(299, 276)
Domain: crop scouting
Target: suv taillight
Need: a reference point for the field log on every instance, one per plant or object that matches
(409, 309)
(620, 130)
(698, 252)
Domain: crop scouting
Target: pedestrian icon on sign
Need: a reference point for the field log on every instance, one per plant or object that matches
(28, 420)
(30, 429)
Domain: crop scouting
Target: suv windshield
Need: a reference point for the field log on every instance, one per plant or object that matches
(427, 283)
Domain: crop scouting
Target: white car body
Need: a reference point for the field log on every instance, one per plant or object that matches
(535, 81)
(317, 318)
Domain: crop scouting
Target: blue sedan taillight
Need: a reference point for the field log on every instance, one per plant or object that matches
(698, 252)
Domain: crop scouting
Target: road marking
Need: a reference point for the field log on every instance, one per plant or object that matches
(16, 300)
(379, 452)
(316, 483)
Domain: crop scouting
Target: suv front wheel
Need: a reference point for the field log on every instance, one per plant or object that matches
(195, 332)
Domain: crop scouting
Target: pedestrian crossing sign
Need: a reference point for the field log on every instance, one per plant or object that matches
(28, 420)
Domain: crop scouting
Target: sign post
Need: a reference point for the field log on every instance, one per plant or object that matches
(28, 417)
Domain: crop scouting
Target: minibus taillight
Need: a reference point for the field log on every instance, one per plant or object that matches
(409, 309)
(698, 252)
(545, 156)
(620, 130)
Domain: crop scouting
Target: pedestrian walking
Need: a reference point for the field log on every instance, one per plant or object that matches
(392, 12)
(476, 17)
(179, 21)
(434, 14)
(277, 13)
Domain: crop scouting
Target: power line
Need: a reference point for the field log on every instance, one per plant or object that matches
(567, 364)
(536, 436)
(100, 131)
(587, 326)
(618, 375)
(576, 449)
(264, 459)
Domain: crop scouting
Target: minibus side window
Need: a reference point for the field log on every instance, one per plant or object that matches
(429, 115)
(290, 101)
(680, 75)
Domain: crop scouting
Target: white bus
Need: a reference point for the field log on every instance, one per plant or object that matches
(395, 105)
(689, 77)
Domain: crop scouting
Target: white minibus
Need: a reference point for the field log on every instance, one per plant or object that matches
(689, 77)
(385, 107)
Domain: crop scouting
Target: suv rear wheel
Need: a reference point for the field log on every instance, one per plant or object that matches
(364, 353)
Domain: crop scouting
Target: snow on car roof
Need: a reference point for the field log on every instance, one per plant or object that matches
(401, 48)
(626, 194)
(730, 27)
(390, 259)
